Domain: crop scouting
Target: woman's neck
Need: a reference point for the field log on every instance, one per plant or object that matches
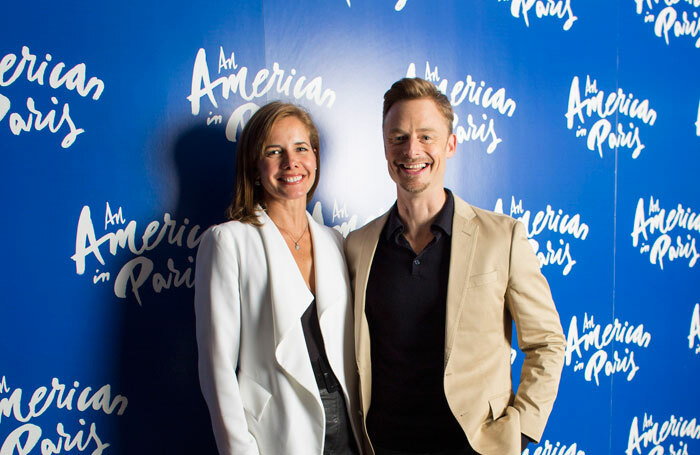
(289, 215)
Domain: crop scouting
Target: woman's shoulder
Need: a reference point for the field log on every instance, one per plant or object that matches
(232, 230)
(331, 233)
(232, 226)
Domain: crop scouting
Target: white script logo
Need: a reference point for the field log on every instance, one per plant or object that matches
(277, 81)
(553, 448)
(549, 221)
(489, 100)
(605, 108)
(590, 343)
(397, 7)
(654, 435)
(695, 330)
(655, 228)
(340, 213)
(42, 114)
(667, 20)
(75, 399)
(137, 271)
(544, 8)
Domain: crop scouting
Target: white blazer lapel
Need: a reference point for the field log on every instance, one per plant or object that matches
(332, 298)
(289, 297)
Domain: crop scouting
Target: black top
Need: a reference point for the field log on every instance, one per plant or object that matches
(325, 379)
(405, 307)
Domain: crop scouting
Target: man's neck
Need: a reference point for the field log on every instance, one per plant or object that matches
(417, 212)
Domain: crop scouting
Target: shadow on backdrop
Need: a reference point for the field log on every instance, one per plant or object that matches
(158, 358)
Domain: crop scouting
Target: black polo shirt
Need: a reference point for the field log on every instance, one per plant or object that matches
(405, 307)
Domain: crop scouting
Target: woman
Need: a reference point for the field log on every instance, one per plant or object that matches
(272, 302)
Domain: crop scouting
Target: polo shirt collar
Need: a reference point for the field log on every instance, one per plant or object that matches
(443, 220)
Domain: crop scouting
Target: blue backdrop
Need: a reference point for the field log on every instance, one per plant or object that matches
(118, 125)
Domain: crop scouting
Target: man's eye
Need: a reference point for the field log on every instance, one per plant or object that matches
(397, 139)
(425, 137)
(301, 148)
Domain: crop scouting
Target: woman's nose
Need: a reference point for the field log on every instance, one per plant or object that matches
(289, 160)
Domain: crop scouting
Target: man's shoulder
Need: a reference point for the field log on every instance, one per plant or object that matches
(368, 229)
(485, 218)
(357, 239)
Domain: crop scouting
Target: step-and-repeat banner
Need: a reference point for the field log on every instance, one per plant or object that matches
(118, 127)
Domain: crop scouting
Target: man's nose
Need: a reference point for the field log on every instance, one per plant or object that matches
(415, 148)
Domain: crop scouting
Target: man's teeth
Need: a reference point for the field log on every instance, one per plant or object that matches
(292, 179)
(414, 167)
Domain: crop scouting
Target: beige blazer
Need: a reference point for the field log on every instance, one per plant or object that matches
(494, 279)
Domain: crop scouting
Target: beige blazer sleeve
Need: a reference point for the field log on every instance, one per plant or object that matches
(540, 336)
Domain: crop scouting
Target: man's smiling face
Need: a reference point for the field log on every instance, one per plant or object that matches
(417, 142)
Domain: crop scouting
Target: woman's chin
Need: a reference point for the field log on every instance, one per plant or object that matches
(287, 197)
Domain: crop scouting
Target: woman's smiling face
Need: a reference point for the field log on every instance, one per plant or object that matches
(287, 167)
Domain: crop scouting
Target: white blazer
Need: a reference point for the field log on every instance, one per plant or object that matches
(254, 366)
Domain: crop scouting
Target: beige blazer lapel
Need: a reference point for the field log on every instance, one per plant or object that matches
(464, 238)
(289, 298)
(368, 245)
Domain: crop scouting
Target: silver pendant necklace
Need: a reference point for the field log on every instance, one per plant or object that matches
(296, 242)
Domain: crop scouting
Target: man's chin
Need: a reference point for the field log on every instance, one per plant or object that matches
(414, 187)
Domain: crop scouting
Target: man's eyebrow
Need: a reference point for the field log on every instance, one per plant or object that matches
(420, 130)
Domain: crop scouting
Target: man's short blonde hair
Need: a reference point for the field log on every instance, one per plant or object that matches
(417, 88)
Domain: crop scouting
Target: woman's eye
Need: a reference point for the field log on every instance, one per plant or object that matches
(272, 152)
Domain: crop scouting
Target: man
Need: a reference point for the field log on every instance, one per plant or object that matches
(437, 285)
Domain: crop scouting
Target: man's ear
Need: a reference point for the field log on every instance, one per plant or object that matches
(451, 146)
